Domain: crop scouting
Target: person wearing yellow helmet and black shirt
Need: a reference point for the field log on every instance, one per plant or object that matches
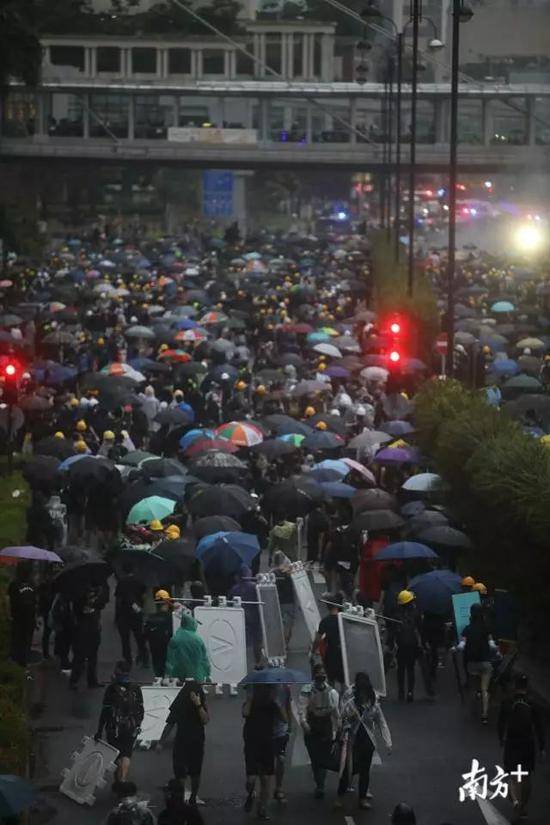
(406, 635)
(158, 632)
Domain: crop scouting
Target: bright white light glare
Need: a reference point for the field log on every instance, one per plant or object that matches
(488, 184)
(440, 192)
(341, 216)
(473, 212)
(528, 238)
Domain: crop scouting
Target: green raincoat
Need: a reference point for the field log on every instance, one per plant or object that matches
(187, 657)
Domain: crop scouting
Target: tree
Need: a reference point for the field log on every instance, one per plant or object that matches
(20, 49)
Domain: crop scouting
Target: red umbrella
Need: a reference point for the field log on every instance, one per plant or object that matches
(204, 444)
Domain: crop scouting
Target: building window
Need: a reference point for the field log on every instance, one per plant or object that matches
(542, 121)
(470, 121)
(108, 59)
(179, 61)
(67, 56)
(65, 115)
(192, 115)
(245, 65)
(109, 116)
(369, 120)
(144, 61)
(153, 114)
(273, 48)
(298, 55)
(317, 55)
(425, 122)
(213, 61)
(509, 122)
(19, 115)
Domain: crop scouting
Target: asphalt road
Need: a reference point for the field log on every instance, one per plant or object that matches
(433, 745)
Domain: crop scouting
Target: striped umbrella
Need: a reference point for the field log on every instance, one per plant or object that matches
(175, 355)
(240, 433)
(213, 318)
(197, 334)
(292, 438)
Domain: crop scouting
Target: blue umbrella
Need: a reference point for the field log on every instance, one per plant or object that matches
(505, 366)
(334, 371)
(337, 489)
(276, 676)
(226, 552)
(187, 408)
(397, 428)
(16, 794)
(193, 435)
(72, 459)
(337, 465)
(401, 550)
(434, 590)
(322, 441)
(58, 374)
(185, 323)
(502, 306)
(324, 475)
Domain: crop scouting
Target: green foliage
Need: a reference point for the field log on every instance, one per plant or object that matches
(500, 487)
(14, 737)
(13, 509)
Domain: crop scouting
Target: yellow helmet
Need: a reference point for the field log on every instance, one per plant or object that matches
(81, 426)
(322, 366)
(172, 531)
(486, 350)
(240, 385)
(156, 525)
(405, 597)
(309, 411)
(59, 434)
(163, 347)
(321, 425)
(100, 342)
(162, 596)
(480, 587)
(260, 389)
(81, 446)
(468, 581)
(108, 435)
(74, 402)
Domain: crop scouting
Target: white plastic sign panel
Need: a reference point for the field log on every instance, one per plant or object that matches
(88, 771)
(223, 632)
(272, 623)
(362, 650)
(306, 599)
(156, 704)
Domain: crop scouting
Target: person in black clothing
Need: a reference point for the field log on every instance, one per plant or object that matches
(341, 557)
(63, 621)
(177, 810)
(129, 810)
(190, 715)
(403, 814)
(407, 635)
(129, 595)
(87, 634)
(22, 596)
(433, 638)
(327, 642)
(158, 632)
(261, 712)
(285, 590)
(318, 524)
(520, 730)
(121, 717)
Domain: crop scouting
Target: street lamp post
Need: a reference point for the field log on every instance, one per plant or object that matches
(397, 216)
(461, 14)
(416, 12)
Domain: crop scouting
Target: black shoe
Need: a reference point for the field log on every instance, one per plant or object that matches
(410, 697)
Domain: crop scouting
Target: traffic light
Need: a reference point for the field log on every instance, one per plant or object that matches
(10, 390)
(395, 330)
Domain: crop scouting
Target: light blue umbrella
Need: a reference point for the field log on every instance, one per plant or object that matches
(275, 676)
(317, 337)
(502, 306)
(331, 464)
(72, 459)
(505, 366)
(337, 489)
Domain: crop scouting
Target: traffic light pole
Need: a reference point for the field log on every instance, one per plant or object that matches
(416, 14)
(453, 141)
(397, 218)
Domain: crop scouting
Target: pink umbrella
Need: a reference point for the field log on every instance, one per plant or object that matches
(354, 465)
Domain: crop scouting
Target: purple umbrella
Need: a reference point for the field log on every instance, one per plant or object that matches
(396, 455)
(31, 553)
(337, 372)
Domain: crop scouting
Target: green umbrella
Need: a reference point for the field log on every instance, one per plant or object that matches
(151, 509)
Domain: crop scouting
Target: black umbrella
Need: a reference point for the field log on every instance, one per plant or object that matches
(294, 497)
(286, 425)
(162, 467)
(221, 500)
(89, 471)
(42, 471)
(373, 500)
(333, 422)
(77, 577)
(189, 369)
(273, 448)
(396, 406)
(173, 417)
(180, 554)
(425, 520)
(444, 536)
(60, 448)
(215, 524)
(377, 520)
(322, 440)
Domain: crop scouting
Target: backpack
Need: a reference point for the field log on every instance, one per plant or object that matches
(520, 720)
(126, 710)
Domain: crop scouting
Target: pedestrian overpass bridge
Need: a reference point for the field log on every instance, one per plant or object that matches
(264, 123)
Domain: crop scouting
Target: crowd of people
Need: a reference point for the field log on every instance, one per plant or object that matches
(189, 392)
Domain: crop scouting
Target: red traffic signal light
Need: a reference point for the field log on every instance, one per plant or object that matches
(395, 327)
(10, 370)
(395, 356)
